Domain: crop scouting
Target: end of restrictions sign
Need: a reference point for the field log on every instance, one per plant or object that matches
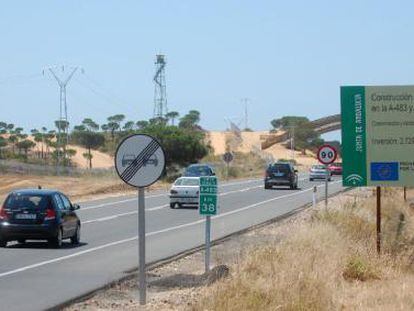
(377, 135)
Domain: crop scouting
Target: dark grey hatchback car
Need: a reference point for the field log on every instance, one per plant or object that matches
(39, 215)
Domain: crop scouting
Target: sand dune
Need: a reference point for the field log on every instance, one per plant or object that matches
(99, 159)
(251, 142)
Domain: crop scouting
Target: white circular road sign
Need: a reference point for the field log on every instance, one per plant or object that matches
(327, 154)
(139, 160)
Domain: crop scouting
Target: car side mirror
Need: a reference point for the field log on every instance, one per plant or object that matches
(295, 171)
(75, 207)
(213, 174)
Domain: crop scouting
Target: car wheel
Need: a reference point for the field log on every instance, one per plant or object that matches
(21, 241)
(76, 238)
(267, 186)
(172, 205)
(3, 243)
(56, 242)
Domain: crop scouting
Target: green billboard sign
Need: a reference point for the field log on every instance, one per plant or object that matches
(208, 196)
(377, 135)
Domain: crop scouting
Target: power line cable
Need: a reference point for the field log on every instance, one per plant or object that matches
(104, 96)
(103, 89)
(86, 102)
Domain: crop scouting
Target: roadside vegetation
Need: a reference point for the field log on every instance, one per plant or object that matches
(327, 263)
(183, 141)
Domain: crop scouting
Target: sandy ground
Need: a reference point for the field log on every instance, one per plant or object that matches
(99, 159)
(179, 285)
(221, 141)
(251, 142)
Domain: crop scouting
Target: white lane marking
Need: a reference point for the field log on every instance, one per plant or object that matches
(90, 250)
(122, 214)
(166, 194)
(156, 208)
(94, 249)
(119, 202)
(235, 211)
(240, 182)
(115, 216)
(157, 196)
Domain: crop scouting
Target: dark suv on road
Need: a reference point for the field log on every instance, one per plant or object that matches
(38, 215)
(198, 170)
(281, 174)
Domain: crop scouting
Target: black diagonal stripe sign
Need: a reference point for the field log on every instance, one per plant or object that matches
(139, 160)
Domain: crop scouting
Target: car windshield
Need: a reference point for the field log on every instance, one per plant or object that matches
(17, 201)
(187, 182)
(318, 167)
(282, 168)
(198, 171)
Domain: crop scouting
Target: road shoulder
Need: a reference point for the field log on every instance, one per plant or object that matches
(180, 283)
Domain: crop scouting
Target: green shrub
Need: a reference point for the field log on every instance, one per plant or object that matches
(359, 269)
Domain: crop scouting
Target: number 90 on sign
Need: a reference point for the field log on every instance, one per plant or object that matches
(327, 154)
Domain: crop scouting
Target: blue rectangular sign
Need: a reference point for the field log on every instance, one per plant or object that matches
(384, 171)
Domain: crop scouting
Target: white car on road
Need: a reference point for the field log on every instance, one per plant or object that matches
(185, 191)
(319, 172)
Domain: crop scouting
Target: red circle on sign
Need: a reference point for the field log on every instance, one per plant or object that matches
(327, 154)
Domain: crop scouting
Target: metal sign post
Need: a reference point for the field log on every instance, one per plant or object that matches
(141, 246)
(208, 207)
(208, 239)
(326, 155)
(140, 162)
(326, 185)
(379, 220)
(228, 157)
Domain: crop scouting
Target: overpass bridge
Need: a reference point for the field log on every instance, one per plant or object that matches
(321, 126)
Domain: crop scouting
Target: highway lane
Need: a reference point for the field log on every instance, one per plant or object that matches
(109, 233)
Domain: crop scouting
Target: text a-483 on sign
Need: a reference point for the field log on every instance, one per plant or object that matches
(208, 196)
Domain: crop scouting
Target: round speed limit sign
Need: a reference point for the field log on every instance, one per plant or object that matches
(327, 154)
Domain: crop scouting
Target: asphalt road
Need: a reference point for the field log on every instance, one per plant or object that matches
(35, 277)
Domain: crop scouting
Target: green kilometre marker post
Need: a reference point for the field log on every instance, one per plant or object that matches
(208, 207)
(378, 138)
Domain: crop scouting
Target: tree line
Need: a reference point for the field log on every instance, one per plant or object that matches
(183, 141)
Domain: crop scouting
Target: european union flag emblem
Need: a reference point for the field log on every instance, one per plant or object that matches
(384, 171)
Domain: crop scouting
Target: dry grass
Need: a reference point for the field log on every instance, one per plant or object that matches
(77, 188)
(329, 263)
